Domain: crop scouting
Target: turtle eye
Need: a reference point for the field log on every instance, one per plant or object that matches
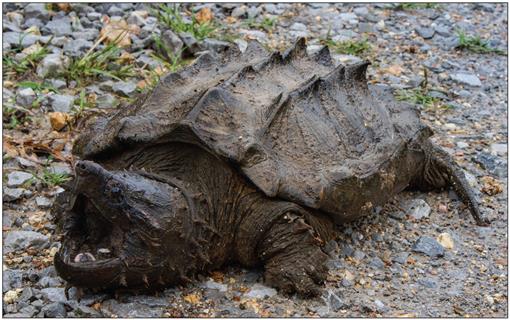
(114, 192)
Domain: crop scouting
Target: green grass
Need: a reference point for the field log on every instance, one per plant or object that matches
(169, 16)
(51, 179)
(26, 63)
(101, 62)
(11, 118)
(415, 6)
(421, 97)
(476, 44)
(37, 86)
(351, 47)
(83, 103)
(417, 96)
(267, 24)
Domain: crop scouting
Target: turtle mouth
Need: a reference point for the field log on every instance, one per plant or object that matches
(92, 249)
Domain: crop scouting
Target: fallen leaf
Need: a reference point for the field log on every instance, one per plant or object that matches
(491, 186)
(231, 20)
(395, 70)
(117, 31)
(445, 240)
(217, 276)
(125, 58)
(204, 15)
(59, 120)
(192, 298)
(64, 6)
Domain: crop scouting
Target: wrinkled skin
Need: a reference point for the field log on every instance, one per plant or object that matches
(191, 178)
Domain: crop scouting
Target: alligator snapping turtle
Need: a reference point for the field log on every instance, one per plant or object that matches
(249, 157)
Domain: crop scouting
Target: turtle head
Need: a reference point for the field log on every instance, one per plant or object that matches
(121, 229)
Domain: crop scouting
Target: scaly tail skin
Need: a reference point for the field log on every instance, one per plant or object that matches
(441, 171)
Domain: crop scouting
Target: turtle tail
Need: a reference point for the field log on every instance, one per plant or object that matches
(441, 171)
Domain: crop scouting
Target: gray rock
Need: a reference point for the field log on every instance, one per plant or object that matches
(259, 291)
(401, 257)
(173, 45)
(48, 281)
(428, 246)
(28, 294)
(376, 262)
(417, 208)
(25, 163)
(107, 101)
(93, 16)
(466, 78)
(239, 11)
(86, 312)
(58, 27)
(43, 202)
(19, 240)
(365, 27)
(25, 97)
(53, 65)
(27, 311)
(253, 12)
(112, 308)
(215, 45)
(211, 284)
(11, 279)
(361, 11)
(54, 294)
(12, 194)
(254, 34)
(334, 302)
(191, 44)
(17, 38)
(428, 283)
(115, 11)
(78, 47)
(348, 17)
(424, 32)
(55, 310)
(17, 178)
(62, 103)
(443, 30)
(36, 10)
(124, 88)
(499, 149)
(297, 26)
(347, 283)
(136, 17)
(60, 168)
(358, 255)
(242, 44)
(87, 34)
(379, 305)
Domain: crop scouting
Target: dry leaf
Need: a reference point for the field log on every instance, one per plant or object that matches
(217, 276)
(231, 20)
(64, 6)
(445, 240)
(192, 298)
(395, 70)
(125, 58)
(204, 15)
(491, 186)
(117, 31)
(58, 120)
(141, 84)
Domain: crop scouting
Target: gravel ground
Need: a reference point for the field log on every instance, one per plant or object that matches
(421, 256)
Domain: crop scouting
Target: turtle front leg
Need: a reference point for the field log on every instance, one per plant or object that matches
(440, 171)
(292, 254)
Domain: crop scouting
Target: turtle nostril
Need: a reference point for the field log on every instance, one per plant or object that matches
(81, 169)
